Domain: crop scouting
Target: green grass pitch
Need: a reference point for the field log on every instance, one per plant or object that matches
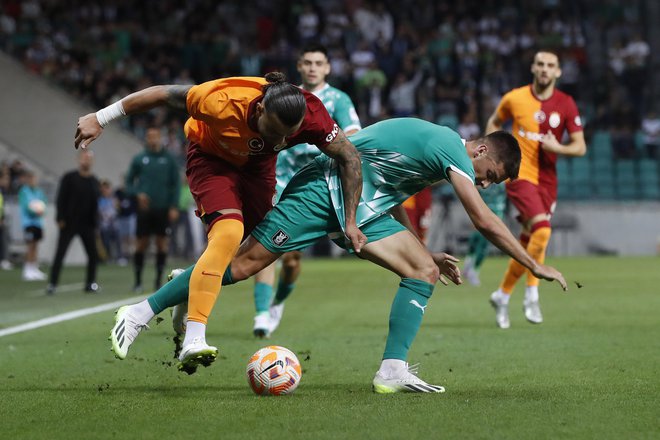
(591, 370)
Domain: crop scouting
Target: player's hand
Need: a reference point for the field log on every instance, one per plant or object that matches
(173, 215)
(87, 131)
(142, 201)
(549, 273)
(550, 143)
(448, 268)
(356, 238)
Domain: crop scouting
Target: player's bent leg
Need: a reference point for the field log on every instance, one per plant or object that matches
(404, 255)
(224, 238)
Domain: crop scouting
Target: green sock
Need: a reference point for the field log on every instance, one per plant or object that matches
(406, 317)
(226, 277)
(262, 295)
(172, 293)
(478, 247)
(283, 291)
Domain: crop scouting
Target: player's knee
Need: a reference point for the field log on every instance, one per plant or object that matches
(291, 260)
(426, 271)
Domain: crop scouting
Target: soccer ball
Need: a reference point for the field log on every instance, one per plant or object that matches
(273, 370)
(37, 207)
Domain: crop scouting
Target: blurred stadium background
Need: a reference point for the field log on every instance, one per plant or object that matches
(444, 61)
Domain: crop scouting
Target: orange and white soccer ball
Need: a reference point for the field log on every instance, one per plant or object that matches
(273, 370)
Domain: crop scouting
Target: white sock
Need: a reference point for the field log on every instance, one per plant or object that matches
(532, 293)
(389, 367)
(142, 311)
(194, 330)
(504, 297)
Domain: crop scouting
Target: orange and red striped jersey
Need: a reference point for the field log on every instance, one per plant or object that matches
(220, 121)
(533, 118)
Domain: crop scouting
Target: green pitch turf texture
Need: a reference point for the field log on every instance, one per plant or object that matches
(591, 370)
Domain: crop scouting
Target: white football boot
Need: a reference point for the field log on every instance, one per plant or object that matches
(126, 329)
(261, 327)
(501, 310)
(275, 311)
(532, 311)
(179, 317)
(197, 353)
(402, 380)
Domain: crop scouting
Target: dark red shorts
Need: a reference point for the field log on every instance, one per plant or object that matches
(216, 184)
(531, 200)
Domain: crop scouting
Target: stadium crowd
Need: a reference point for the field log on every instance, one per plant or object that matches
(442, 61)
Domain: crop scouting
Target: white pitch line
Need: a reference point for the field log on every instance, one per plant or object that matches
(68, 316)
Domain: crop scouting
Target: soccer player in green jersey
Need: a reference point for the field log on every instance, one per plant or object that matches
(399, 158)
(313, 66)
(495, 199)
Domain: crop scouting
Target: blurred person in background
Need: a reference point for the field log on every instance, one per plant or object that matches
(126, 219)
(153, 179)
(540, 114)
(5, 264)
(108, 229)
(77, 214)
(32, 204)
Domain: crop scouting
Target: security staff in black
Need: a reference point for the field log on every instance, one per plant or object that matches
(153, 179)
(77, 214)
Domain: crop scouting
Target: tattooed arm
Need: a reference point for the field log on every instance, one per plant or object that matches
(350, 173)
(173, 96)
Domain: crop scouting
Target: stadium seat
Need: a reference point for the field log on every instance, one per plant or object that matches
(626, 179)
(601, 144)
(649, 182)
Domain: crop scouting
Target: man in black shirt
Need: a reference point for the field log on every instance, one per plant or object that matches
(77, 214)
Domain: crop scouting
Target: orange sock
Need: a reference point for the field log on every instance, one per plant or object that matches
(206, 280)
(538, 243)
(514, 271)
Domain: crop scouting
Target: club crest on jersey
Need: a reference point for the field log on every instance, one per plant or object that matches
(255, 144)
(578, 121)
(279, 238)
(554, 120)
(539, 116)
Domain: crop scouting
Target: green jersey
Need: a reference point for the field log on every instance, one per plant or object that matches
(157, 175)
(495, 197)
(400, 157)
(341, 109)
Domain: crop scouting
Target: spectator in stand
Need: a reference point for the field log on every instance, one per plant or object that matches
(651, 132)
(77, 214)
(32, 203)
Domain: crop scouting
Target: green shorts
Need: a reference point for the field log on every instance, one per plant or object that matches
(305, 213)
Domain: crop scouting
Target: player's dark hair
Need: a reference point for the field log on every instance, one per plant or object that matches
(506, 150)
(283, 99)
(550, 51)
(314, 47)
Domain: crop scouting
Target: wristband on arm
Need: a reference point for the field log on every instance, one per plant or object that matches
(110, 113)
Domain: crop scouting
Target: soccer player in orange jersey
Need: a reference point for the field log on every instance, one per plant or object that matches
(418, 208)
(235, 130)
(540, 114)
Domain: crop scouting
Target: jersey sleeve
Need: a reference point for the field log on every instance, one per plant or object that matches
(573, 121)
(205, 102)
(318, 128)
(503, 110)
(345, 114)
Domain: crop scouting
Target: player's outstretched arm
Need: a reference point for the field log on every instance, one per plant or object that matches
(496, 232)
(91, 126)
(350, 173)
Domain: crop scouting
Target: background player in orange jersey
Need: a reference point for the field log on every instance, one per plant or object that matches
(540, 114)
(235, 130)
